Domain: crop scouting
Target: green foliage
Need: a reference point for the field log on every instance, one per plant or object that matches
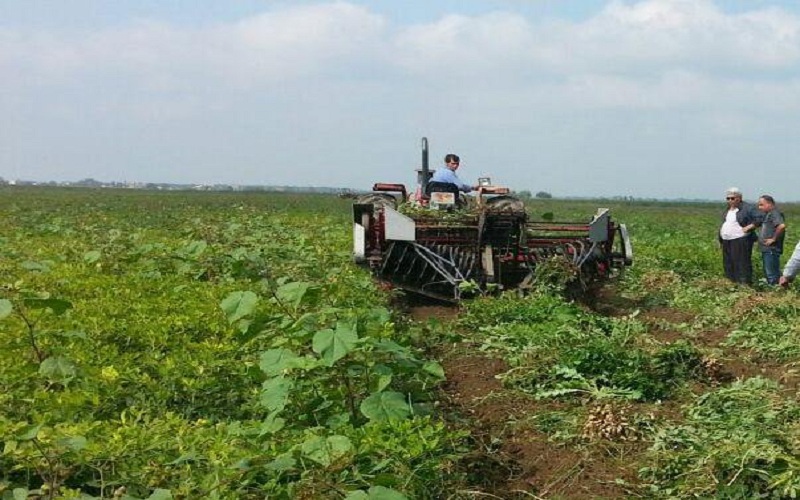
(237, 305)
(221, 345)
(334, 344)
(215, 346)
(376, 493)
(737, 441)
(608, 367)
(386, 406)
(559, 350)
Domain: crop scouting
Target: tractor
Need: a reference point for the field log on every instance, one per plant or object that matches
(442, 244)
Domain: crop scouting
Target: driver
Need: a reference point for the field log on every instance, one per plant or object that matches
(448, 174)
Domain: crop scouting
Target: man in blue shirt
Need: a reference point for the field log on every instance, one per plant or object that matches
(448, 174)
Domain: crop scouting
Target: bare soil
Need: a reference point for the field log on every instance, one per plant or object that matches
(425, 313)
(423, 309)
(511, 459)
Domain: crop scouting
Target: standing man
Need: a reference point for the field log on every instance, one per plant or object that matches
(737, 235)
(792, 267)
(448, 174)
(770, 238)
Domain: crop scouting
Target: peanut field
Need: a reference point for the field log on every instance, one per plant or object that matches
(187, 345)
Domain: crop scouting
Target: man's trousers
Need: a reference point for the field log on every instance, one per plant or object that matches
(737, 259)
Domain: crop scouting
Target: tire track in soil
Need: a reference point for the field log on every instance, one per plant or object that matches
(512, 461)
(736, 363)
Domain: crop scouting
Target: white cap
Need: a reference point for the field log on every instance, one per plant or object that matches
(733, 191)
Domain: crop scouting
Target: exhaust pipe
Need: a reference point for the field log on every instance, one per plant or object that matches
(425, 168)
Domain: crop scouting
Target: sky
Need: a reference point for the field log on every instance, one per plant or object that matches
(652, 98)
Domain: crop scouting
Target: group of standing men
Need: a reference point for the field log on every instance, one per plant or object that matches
(744, 224)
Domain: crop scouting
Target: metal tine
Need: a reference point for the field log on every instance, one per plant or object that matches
(401, 258)
(388, 258)
(425, 267)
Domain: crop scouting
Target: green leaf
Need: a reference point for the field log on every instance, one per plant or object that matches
(376, 493)
(385, 406)
(160, 494)
(20, 493)
(35, 266)
(338, 420)
(292, 293)
(57, 369)
(58, 306)
(5, 308)
(184, 459)
(271, 424)
(435, 369)
(379, 315)
(326, 451)
(399, 352)
(74, 443)
(275, 361)
(194, 249)
(384, 493)
(305, 363)
(282, 463)
(275, 393)
(70, 334)
(237, 305)
(383, 377)
(382, 382)
(333, 345)
(28, 433)
(91, 256)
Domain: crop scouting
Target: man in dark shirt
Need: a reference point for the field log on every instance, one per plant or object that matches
(770, 238)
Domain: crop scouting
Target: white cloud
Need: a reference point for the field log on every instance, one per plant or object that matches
(690, 33)
(275, 46)
(641, 40)
(458, 45)
(682, 78)
(649, 36)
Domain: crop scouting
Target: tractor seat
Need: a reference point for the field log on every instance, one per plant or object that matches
(447, 187)
(442, 187)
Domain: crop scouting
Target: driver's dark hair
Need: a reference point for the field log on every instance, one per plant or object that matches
(769, 199)
(451, 157)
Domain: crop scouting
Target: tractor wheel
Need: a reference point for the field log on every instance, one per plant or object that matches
(505, 204)
(378, 200)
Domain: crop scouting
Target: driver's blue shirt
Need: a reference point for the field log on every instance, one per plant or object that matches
(444, 174)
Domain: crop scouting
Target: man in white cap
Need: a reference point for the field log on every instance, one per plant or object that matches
(737, 235)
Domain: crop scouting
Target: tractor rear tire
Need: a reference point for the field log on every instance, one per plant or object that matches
(507, 204)
(378, 200)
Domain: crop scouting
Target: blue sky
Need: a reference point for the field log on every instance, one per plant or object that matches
(654, 98)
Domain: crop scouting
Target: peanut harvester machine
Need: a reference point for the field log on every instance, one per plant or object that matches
(445, 251)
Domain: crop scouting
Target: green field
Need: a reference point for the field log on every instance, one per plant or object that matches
(222, 345)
